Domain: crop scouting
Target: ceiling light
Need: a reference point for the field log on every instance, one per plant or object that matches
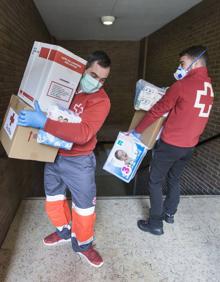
(108, 20)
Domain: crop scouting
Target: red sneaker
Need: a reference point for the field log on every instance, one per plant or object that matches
(54, 239)
(92, 257)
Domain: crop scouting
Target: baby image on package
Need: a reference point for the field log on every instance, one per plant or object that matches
(125, 157)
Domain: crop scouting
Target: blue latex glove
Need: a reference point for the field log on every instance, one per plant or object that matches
(36, 119)
(135, 134)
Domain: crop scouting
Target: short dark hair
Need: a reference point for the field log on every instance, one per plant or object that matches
(195, 51)
(100, 57)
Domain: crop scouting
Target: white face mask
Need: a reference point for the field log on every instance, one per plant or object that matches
(180, 73)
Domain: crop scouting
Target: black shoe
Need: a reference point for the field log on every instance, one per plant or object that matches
(169, 218)
(145, 226)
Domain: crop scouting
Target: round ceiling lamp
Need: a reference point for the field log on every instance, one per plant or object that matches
(108, 20)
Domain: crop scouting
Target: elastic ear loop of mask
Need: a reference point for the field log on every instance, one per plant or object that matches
(200, 55)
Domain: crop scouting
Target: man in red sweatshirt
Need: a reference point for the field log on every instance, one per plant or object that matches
(75, 169)
(188, 101)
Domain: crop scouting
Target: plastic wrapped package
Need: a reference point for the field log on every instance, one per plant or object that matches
(147, 95)
(58, 113)
(46, 138)
(125, 157)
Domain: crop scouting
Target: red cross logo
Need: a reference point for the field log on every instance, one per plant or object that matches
(78, 109)
(12, 119)
(204, 100)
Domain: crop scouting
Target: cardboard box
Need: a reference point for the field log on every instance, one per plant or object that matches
(51, 76)
(21, 142)
(125, 157)
(150, 134)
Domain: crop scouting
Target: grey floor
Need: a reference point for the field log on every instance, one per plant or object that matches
(188, 251)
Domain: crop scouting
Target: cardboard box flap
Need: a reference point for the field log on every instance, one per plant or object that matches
(149, 135)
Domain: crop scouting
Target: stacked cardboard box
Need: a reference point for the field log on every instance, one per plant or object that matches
(20, 142)
(51, 77)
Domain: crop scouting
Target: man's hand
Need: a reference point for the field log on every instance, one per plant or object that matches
(36, 119)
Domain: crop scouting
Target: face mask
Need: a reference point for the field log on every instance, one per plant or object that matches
(181, 72)
(88, 84)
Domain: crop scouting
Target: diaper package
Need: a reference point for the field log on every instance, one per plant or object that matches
(58, 113)
(125, 157)
(146, 95)
(46, 138)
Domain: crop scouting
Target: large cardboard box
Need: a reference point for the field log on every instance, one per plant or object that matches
(150, 134)
(21, 142)
(51, 76)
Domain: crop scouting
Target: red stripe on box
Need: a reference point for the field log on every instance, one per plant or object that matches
(44, 52)
(52, 55)
(66, 61)
(27, 95)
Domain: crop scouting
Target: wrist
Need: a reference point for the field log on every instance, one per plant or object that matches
(44, 120)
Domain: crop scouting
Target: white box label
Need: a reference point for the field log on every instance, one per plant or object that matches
(11, 123)
(60, 92)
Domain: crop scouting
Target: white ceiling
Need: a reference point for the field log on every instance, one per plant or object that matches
(80, 19)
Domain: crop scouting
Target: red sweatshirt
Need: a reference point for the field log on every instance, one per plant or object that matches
(93, 110)
(188, 102)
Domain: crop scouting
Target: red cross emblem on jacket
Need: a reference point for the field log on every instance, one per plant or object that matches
(204, 100)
